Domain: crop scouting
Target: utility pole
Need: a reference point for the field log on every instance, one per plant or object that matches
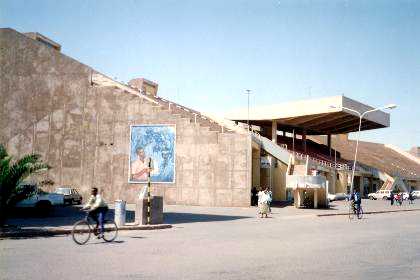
(248, 92)
(361, 116)
(149, 204)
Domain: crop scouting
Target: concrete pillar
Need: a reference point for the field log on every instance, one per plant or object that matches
(329, 143)
(343, 181)
(315, 198)
(272, 159)
(370, 186)
(327, 202)
(296, 198)
(293, 139)
(362, 186)
(299, 192)
(332, 178)
(304, 141)
(274, 131)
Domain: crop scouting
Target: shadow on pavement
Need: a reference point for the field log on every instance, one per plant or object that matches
(280, 204)
(99, 242)
(181, 218)
(28, 237)
(57, 217)
(283, 204)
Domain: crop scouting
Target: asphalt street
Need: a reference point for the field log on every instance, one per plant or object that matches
(230, 243)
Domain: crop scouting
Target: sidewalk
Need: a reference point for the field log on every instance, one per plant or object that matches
(373, 207)
(340, 208)
(52, 231)
(60, 222)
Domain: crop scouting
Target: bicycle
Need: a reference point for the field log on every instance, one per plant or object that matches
(83, 229)
(355, 212)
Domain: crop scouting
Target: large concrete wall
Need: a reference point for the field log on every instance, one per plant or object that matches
(50, 107)
(279, 181)
(256, 168)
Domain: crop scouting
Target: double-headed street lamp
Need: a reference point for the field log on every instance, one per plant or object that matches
(361, 115)
(248, 92)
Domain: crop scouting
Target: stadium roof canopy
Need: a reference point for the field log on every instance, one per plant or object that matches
(315, 116)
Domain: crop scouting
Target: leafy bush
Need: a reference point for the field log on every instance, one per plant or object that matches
(12, 174)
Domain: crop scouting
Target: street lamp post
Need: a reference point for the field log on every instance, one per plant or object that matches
(248, 92)
(361, 115)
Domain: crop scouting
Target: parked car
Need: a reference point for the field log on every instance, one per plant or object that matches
(416, 194)
(337, 196)
(42, 201)
(381, 194)
(70, 195)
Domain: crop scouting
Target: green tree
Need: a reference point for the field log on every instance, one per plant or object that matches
(12, 174)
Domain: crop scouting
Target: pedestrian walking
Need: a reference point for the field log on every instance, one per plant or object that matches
(392, 197)
(410, 198)
(270, 199)
(254, 196)
(399, 198)
(263, 202)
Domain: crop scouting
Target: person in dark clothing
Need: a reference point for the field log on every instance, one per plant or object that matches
(357, 200)
(254, 197)
(400, 198)
(410, 198)
(392, 198)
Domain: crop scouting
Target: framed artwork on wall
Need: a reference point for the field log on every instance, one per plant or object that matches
(155, 142)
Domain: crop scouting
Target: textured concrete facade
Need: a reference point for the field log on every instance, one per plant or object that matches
(49, 106)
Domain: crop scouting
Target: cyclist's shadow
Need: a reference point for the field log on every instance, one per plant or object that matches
(100, 241)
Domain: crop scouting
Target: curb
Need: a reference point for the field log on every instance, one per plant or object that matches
(369, 212)
(59, 231)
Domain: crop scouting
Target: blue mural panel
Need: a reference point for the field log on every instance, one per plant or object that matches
(156, 142)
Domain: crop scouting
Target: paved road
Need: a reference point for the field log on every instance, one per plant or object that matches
(231, 243)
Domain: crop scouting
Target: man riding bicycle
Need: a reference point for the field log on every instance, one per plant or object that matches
(97, 209)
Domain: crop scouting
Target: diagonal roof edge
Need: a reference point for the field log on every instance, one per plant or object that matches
(102, 80)
(404, 153)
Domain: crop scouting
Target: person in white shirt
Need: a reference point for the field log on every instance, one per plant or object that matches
(263, 199)
(97, 210)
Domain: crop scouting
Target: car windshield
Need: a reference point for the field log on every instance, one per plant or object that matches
(62, 190)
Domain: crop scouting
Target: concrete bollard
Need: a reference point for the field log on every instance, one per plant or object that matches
(119, 212)
(157, 211)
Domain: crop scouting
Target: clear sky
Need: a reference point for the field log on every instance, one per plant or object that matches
(204, 54)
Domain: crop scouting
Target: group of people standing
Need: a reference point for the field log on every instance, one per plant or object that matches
(398, 198)
(263, 199)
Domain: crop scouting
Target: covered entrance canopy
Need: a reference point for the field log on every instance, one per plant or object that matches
(323, 116)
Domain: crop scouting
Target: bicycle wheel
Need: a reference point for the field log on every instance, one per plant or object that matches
(351, 212)
(81, 232)
(360, 213)
(110, 230)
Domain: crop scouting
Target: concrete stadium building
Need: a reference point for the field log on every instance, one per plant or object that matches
(83, 124)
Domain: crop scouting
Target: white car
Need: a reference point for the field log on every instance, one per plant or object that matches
(416, 194)
(42, 200)
(381, 194)
(337, 196)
